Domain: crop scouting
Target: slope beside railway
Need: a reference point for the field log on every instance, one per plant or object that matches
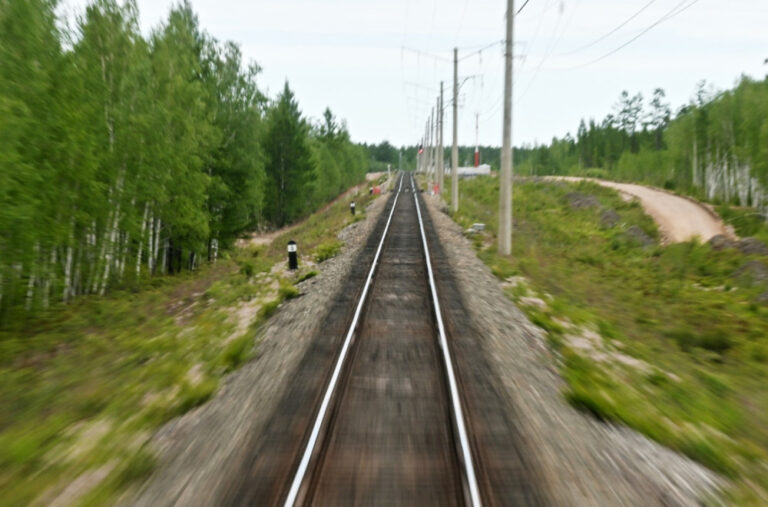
(71, 433)
(668, 339)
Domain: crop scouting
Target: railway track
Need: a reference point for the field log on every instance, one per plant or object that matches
(375, 414)
(390, 428)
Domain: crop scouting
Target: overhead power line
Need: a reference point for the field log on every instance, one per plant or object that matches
(522, 7)
(677, 9)
(489, 46)
(605, 36)
(426, 54)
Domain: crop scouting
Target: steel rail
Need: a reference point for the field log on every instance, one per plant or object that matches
(458, 413)
(298, 479)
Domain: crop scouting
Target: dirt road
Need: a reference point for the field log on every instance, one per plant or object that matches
(679, 219)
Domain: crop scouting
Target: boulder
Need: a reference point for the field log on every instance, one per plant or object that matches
(753, 273)
(752, 246)
(609, 218)
(577, 200)
(636, 235)
(719, 242)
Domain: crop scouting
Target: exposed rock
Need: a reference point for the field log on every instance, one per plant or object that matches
(752, 246)
(577, 200)
(763, 298)
(533, 301)
(609, 218)
(513, 281)
(719, 242)
(475, 229)
(753, 273)
(636, 235)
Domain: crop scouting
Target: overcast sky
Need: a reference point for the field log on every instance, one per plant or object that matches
(349, 55)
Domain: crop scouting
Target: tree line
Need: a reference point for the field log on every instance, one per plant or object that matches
(714, 147)
(124, 156)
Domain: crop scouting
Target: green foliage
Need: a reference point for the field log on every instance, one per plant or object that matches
(327, 250)
(714, 148)
(288, 292)
(306, 276)
(268, 309)
(237, 352)
(288, 160)
(152, 354)
(124, 156)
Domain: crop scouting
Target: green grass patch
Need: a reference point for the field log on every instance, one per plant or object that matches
(328, 250)
(683, 309)
(306, 276)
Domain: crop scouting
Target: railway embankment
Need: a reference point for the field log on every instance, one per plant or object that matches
(663, 338)
(201, 453)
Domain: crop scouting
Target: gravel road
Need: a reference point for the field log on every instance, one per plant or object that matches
(679, 219)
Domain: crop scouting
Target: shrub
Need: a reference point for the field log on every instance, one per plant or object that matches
(247, 269)
(307, 276)
(287, 292)
(236, 352)
(325, 251)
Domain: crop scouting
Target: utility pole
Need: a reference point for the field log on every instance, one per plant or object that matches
(432, 144)
(428, 147)
(440, 161)
(455, 148)
(436, 157)
(505, 187)
(477, 139)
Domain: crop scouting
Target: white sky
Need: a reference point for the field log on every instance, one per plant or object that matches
(347, 54)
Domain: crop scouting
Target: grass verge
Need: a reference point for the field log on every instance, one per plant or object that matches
(84, 386)
(672, 341)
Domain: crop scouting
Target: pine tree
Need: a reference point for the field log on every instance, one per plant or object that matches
(289, 165)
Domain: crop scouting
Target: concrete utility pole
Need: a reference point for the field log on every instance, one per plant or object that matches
(440, 161)
(432, 143)
(505, 187)
(477, 139)
(428, 147)
(455, 148)
(436, 128)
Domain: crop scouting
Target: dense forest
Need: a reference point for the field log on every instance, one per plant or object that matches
(715, 147)
(124, 156)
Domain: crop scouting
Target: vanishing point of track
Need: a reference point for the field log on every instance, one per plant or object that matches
(374, 414)
(390, 427)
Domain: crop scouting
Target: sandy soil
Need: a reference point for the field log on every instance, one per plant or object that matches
(679, 219)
